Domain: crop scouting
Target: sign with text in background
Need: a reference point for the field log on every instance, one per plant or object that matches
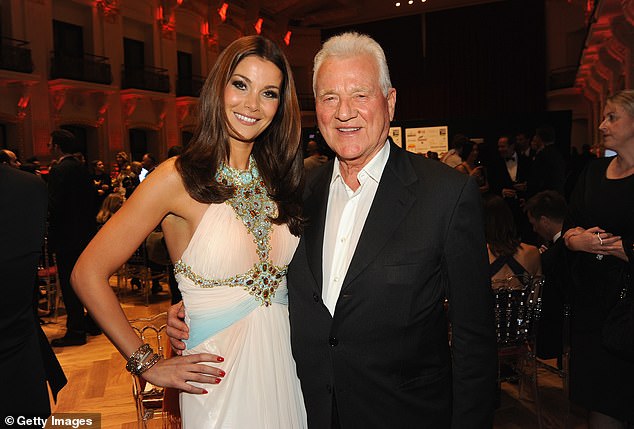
(423, 139)
(396, 134)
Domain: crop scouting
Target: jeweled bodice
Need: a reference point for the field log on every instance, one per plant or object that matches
(253, 207)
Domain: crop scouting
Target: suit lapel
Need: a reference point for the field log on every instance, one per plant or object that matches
(315, 206)
(392, 202)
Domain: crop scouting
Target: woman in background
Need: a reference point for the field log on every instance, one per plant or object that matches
(109, 207)
(599, 231)
(469, 165)
(508, 256)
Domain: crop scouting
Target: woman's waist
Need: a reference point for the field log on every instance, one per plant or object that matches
(246, 317)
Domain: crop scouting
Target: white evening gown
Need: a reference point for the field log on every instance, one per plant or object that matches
(261, 388)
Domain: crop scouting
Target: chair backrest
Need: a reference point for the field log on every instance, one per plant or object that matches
(152, 331)
(517, 308)
(139, 257)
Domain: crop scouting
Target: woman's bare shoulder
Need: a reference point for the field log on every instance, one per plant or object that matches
(529, 256)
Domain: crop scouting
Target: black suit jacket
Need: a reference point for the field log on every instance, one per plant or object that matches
(548, 171)
(385, 355)
(554, 297)
(499, 177)
(72, 206)
(26, 358)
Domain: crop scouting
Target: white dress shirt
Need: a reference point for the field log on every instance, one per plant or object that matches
(345, 217)
(511, 166)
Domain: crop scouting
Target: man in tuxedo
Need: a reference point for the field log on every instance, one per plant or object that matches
(546, 212)
(390, 235)
(72, 226)
(523, 145)
(508, 177)
(26, 359)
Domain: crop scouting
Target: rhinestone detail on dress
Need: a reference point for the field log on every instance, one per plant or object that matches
(254, 208)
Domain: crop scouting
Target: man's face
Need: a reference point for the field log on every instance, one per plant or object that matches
(536, 143)
(521, 142)
(352, 113)
(504, 148)
(540, 227)
(147, 162)
(53, 149)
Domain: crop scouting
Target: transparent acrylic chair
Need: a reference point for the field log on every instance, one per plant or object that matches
(517, 311)
(149, 398)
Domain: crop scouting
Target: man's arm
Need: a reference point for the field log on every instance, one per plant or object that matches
(474, 347)
(177, 329)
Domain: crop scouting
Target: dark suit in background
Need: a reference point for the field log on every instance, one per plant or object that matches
(26, 359)
(499, 179)
(554, 297)
(548, 171)
(384, 358)
(72, 226)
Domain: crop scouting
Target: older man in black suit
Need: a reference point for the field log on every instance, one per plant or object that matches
(72, 209)
(26, 359)
(390, 235)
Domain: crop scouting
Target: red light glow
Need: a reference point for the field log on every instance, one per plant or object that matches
(258, 25)
(287, 38)
(223, 11)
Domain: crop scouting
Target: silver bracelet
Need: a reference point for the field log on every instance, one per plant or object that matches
(148, 364)
(135, 361)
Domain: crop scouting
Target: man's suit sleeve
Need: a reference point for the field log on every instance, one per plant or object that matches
(474, 348)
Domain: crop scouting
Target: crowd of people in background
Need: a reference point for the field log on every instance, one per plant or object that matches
(83, 196)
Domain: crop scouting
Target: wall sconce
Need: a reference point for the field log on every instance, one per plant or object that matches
(211, 38)
(223, 11)
(287, 38)
(109, 8)
(166, 25)
(258, 25)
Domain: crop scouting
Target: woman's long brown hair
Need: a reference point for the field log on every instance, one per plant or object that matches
(276, 151)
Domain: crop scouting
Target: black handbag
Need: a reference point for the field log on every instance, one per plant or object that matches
(618, 327)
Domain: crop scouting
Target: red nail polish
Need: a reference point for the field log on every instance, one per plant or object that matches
(218, 380)
(220, 359)
(205, 392)
(221, 373)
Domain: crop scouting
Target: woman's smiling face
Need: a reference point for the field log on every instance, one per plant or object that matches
(252, 97)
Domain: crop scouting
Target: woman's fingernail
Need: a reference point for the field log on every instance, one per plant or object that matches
(220, 359)
(218, 380)
(221, 373)
(205, 392)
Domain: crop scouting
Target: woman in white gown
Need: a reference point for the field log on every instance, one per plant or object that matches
(230, 208)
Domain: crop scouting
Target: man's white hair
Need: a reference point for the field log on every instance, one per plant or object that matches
(351, 44)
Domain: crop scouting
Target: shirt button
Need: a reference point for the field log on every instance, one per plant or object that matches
(343, 239)
(333, 341)
(315, 297)
(336, 279)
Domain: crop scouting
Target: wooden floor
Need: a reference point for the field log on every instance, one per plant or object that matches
(98, 382)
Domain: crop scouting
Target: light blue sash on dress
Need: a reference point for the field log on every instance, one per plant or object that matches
(208, 322)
